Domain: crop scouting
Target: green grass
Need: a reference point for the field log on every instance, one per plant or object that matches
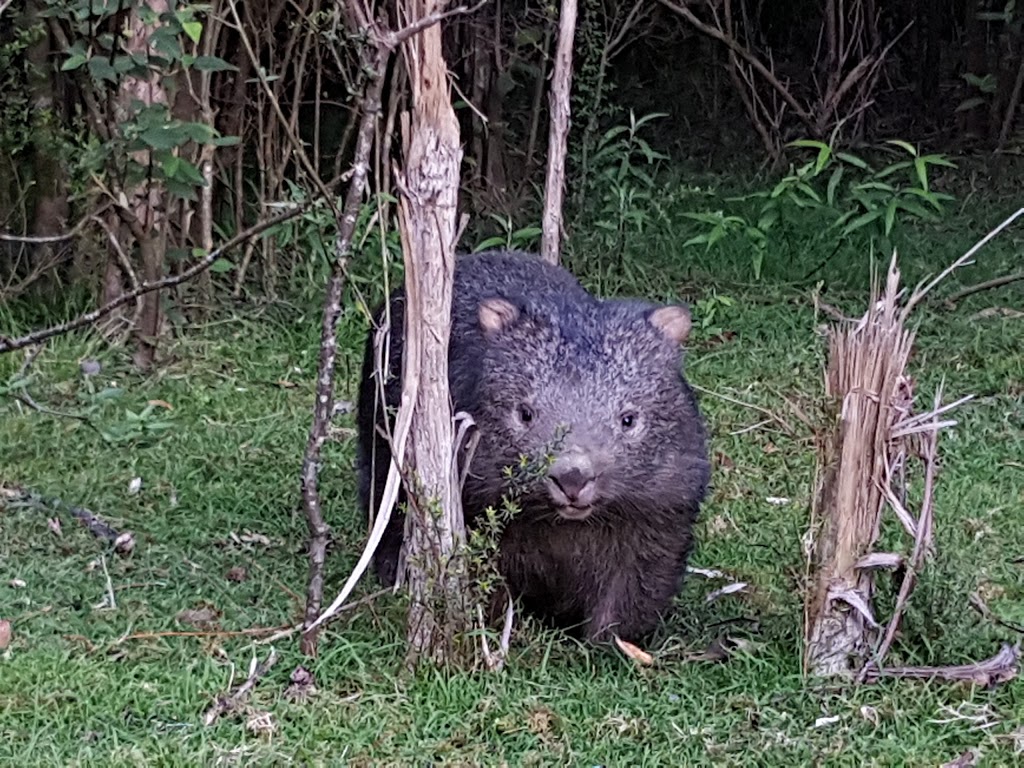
(83, 684)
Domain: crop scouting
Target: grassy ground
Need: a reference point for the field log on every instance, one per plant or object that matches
(86, 683)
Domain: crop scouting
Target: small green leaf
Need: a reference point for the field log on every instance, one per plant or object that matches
(833, 183)
(971, 103)
(853, 160)
(861, 221)
(194, 29)
(903, 145)
(221, 265)
(213, 64)
(73, 62)
(890, 215)
(921, 166)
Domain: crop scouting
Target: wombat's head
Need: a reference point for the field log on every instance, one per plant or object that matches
(598, 387)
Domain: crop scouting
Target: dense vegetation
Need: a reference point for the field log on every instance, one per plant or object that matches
(190, 430)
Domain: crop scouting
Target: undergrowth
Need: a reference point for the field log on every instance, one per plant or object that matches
(200, 461)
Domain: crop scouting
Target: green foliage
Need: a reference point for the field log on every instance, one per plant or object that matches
(151, 128)
(621, 192)
(710, 312)
(524, 238)
(846, 193)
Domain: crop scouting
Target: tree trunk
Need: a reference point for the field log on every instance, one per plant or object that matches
(554, 185)
(49, 200)
(146, 217)
(438, 614)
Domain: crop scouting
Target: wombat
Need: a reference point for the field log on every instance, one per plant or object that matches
(601, 541)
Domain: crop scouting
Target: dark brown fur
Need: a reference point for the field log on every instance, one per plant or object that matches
(602, 541)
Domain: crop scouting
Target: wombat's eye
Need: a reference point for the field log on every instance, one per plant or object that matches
(628, 420)
(525, 414)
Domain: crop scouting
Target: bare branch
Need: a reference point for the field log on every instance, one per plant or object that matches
(744, 53)
(8, 344)
(996, 282)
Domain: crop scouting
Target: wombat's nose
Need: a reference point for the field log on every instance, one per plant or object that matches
(573, 483)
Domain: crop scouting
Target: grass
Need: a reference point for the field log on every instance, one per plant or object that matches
(84, 684)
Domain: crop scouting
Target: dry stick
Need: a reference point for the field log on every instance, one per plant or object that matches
(921, 541)
(386, 42)
(318, 529)
(997, 282)
(297, 147)
(554, 185)
(1000, 668)
(225, 704)
(9, 345)
(920, 293)
(1011, 108)
(250, 632)
(745, 54)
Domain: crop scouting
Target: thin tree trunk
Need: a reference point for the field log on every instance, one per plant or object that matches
(50, 208)
(324, 404)
(554, 186)
(148, 217)
(438, 614)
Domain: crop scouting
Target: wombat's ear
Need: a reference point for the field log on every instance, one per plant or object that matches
(497, 316)
(672, 321)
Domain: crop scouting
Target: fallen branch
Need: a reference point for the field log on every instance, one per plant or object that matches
(997, 282)
(230, 703)
(250, 632)
(1000, 668)
(123, 542)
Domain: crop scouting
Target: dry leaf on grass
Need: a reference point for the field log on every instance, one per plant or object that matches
(237, 574)
(967, 760)
(5, 633)
(728, 589)
(124, 543)
(161, 404)
(636, 654)
(203, 617)
(16, 584)
(53, 523)
(261, 723)
(302, 685)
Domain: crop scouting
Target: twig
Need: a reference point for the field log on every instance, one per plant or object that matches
(8, 344)
(920, 293)
(251, 632)
(26, 399)
(324, 403)
(980, 606)
(43, 239)
(111, 600)
(772, 416)
(734, 46)
(997, 282)
(1000, 668)
(225, 704)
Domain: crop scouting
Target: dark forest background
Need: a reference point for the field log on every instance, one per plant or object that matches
(126, 164)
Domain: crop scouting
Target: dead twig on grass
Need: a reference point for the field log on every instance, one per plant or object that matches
(250, 632)
(123, 542)
(1000, 668)
(231, 702)
(787, 428)
(997, 282)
